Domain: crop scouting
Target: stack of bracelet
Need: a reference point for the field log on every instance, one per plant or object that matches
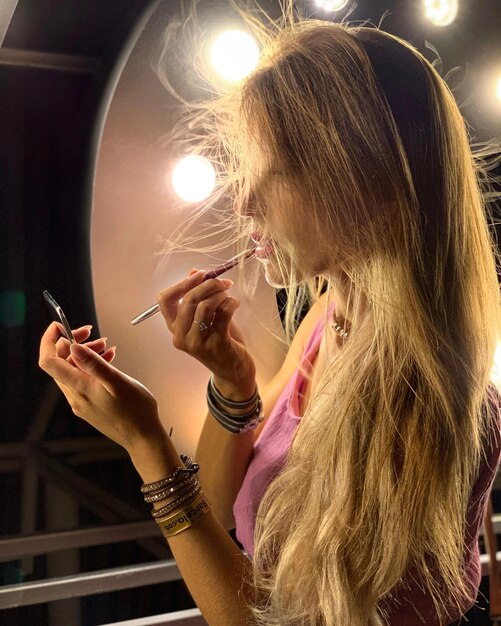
(190, 505)
(219, 405)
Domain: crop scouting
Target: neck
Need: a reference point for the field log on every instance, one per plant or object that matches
(341, 287)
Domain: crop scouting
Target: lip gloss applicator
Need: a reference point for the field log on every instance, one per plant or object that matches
(217, 271)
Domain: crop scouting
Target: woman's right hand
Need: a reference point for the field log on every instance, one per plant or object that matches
(220, 347)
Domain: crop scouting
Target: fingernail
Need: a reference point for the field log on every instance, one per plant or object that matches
(79, 352)
(197, 275)
(226, 281)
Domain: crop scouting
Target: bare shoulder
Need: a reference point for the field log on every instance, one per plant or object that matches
(273, 390)
(310, 320)
(303, 333)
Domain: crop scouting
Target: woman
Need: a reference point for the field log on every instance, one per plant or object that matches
(361, 494)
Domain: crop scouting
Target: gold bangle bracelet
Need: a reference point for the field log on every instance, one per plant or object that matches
(184, 517)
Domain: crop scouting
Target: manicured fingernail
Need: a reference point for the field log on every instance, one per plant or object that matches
(112, 349)
(79, 352)
(86, 327)
(197, 275)
(226, 281)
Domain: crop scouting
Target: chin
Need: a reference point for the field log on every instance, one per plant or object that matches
(276, 279)
(273, 278)
(276, 283)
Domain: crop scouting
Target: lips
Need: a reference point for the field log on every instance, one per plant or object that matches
(264, 246)
(264, 250)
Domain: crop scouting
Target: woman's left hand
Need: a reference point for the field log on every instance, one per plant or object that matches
(117, 405)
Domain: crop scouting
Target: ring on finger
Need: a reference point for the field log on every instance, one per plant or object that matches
(202, 325)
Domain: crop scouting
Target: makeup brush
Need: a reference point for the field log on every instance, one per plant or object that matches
(221, 269)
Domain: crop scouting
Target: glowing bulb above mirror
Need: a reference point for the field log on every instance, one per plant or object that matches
(441, 12)
(193, 178)
(332, 5)
(234, 54)
(498, 89)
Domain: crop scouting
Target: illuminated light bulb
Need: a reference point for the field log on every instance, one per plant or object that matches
(234, 54)
(498, 89)
(332, 5)
(193, 178)
(441, 12)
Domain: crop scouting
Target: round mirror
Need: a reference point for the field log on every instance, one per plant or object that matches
(132, 212)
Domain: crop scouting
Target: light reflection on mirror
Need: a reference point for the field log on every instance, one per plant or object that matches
(234, 54)
(193, 178)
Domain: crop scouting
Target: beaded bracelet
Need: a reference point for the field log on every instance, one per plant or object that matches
(186, 509)
(163, 494)
(191, 468)
(172, 506)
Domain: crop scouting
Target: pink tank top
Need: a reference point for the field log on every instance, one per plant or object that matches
(271, 447)
(412, 606)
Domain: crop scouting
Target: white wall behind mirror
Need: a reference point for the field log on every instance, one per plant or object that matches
(132, 207)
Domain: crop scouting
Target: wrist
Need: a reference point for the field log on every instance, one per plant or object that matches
(240, 392)
(155, 456)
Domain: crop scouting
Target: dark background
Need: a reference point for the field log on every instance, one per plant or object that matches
(50, 105)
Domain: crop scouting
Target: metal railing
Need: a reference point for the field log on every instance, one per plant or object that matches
(189, 617)
(38, 458)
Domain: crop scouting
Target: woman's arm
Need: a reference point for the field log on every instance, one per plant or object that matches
(126, 412)
(223, 456)
(210, 562)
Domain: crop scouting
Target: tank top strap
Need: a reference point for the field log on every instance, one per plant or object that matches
(306, 365)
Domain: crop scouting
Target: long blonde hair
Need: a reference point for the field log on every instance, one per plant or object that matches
(378, 478)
